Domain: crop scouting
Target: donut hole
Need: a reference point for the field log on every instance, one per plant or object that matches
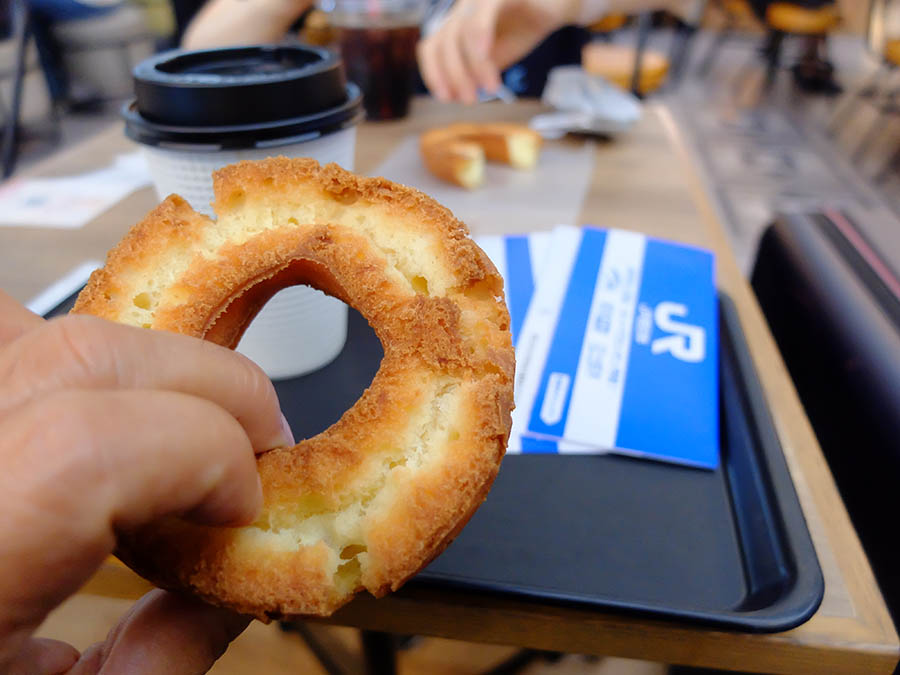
(345, 379)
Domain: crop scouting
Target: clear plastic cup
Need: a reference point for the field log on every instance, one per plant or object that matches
(378, 39)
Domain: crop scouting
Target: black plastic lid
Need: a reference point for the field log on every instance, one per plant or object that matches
(240, 97)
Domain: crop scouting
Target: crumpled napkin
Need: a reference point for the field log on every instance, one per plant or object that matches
(585, 104)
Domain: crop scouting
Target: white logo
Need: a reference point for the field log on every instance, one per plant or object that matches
(686, 342)
(643, 324)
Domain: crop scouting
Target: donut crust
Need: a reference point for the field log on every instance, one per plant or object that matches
(375, 497)
(457, 152)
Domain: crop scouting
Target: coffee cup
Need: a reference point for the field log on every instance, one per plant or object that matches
(197, 111)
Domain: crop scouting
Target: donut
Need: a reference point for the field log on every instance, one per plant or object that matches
(456, 153)
(371, 500)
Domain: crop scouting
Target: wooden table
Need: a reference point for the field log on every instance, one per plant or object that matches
(644, 181)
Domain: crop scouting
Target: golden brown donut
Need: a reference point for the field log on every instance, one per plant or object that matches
(456, 153)
(375, 497)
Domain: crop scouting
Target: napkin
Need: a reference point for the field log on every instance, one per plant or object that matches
(585, 103)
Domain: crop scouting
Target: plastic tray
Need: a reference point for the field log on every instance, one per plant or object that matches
(727, 547)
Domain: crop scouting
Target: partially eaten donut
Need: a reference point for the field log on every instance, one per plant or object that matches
(375, 497)
(456, 153)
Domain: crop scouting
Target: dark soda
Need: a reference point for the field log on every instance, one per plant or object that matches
(382, 61)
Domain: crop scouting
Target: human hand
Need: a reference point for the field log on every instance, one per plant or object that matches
(105, 427)
(479, 38)
(229, 23)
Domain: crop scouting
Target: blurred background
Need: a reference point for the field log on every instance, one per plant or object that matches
(774, 132)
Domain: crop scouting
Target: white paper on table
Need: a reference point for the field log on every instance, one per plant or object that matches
(584, 103)
(70, 202)
(510, 200)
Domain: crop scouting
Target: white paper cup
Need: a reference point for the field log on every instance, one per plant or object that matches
(300, 329)
(189, 173)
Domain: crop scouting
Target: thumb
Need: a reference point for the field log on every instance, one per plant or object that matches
(40, 656)
(164, 633)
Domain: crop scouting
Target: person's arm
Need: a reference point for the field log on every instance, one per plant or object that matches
(105, 427)
(480, 38)
(226, 23)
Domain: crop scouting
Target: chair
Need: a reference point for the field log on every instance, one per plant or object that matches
(101, 51)
(631, 68)
(19, 49)
(620, 65)
(609, 23)
(736, 13)
(832, 302)
(780, 19)
(785, 18)
(638, 69)
(797, 20)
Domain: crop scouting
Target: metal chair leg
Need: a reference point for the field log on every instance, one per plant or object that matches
(8, 151)
(380, 653)
(773, 56)
(334, 657)
(643, 36)
(680, 52)
(718, 42)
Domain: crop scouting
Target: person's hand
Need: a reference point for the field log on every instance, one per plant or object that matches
(229, 23)
(105, 427)
(479, 38)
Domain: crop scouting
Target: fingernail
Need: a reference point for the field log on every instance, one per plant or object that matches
(286, 431)
(250, 515)
(229, 505)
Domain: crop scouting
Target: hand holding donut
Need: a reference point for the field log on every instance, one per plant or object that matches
(105, 427)
(371, 500)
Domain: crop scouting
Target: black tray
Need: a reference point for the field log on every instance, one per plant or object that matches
(727, 547)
